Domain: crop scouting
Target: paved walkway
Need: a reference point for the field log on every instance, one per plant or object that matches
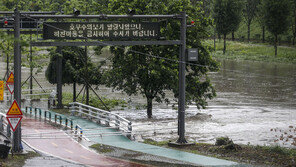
(50, 140)
(123, 142)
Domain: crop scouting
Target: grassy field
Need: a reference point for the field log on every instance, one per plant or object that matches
(252, 51)
(95, 102)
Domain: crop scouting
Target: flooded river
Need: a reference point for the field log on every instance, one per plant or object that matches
(255, 104)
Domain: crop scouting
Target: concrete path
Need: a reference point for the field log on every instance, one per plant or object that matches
(52, 141)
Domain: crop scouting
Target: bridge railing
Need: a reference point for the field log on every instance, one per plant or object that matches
(102, 117)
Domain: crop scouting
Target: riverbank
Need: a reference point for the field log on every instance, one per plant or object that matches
(252, 51)
(254, 155)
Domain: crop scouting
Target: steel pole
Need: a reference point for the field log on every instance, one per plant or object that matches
(181, 100)
(86, 86)
(59, 78)
(17, 78)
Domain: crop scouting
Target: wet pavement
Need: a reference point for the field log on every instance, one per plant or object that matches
(52, 141)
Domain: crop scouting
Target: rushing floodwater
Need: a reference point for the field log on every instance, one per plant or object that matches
(252, 99)
(255, 103)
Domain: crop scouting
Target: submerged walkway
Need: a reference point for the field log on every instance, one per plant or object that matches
(92, 131)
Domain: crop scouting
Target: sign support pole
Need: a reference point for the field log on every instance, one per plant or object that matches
(182, 89)
(17, 78)
(59, 78)
(31, 66)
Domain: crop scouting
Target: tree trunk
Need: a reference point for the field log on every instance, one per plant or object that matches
(249, 31)
(74, 92)
(219, 37)
(224, 49)
(263, 34)
(149, 107)
(7, 65)
(215, 42)
(275, 45)
(87, 94)
(232, 36)
(294, 34)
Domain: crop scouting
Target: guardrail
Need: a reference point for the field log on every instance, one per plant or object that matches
(102, 117)
(4, 127)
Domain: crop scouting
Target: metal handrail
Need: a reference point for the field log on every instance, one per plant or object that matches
(4, 126)
(100, 115)
(100, 110)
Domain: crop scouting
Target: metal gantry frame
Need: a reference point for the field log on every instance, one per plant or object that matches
(35, 15)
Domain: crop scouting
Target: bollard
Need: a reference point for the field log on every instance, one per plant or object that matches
(45, 113)
(27, 109)
(35, 110)
(60, 119)
(49, 115)
(71, 124)
(81, 133)
(55, 118)
(40, 112)
(76, 129)
(129, 135)
(66, 122)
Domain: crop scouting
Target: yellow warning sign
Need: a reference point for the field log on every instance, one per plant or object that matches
(1, 90)
(10, 78)
(14, 109)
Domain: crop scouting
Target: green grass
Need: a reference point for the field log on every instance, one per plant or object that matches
(278, 150)
(101, 148)
(17, 160)
(253, 52)
(152, 142)
(95, 102)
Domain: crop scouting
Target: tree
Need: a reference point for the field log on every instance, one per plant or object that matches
(70, 56)
(6, 47)
(153, 70)
(227, 16)
(75, 68)
(249, 12)
(294, 20)
(276, 18)
(260, 19)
